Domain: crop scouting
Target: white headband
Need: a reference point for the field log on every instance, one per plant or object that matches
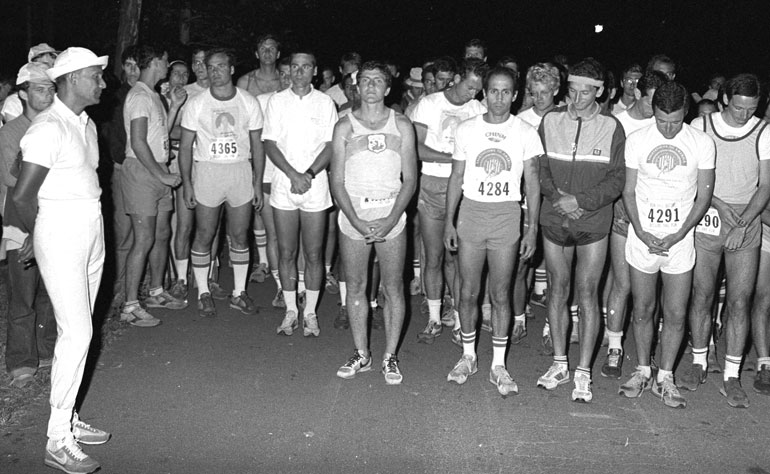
(585, 80)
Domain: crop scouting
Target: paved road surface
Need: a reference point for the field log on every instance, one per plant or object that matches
(229, 395)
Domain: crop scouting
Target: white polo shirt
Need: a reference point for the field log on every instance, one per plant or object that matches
(300, 126)
(67, 145)
(143, 102)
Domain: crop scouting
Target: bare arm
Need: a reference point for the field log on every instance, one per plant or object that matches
(532, 190)
(629, 199)
(24, 198)
(337, 177)
(185, 166)
(257, 165)
(145, 156)
(453, 194)
(425, 152)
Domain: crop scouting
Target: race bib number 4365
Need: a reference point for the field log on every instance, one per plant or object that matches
(710, 224)
(223, 148)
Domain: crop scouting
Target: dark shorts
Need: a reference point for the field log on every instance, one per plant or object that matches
(567, 237)
(715, 243)
(620, 219)
(143, 194)
(266, 188)
(488, 225)
(432, 200)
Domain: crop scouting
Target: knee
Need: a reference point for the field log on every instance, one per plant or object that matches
(642, 312)
(499, 299)
(163, 234)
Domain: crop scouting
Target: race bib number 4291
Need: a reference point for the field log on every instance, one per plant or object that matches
(710, 224)
(663, 216)
(223, 148)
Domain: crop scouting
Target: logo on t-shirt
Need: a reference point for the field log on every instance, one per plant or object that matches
(667, 157)
(494, 161)
(376, 143)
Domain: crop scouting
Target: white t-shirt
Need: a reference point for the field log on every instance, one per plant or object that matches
(300, 126)
(67, 145)
(222, 126)
(495, 156)
(12, 107)
(267, 176)
(337, 95)
(630, 124)
(531, 117)
(441, 117)
(143, 102)
(667, 174)
(194, 89)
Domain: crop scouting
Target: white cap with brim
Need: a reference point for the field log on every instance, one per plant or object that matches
(40, 50)
(73, 59)
(415, 77)
(33, 72)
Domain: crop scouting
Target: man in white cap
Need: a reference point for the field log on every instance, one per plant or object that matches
(42, 54)
(57, 199)
(31, 324)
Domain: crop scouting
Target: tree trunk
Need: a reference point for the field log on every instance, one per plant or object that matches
(128, 30)
(185, 16)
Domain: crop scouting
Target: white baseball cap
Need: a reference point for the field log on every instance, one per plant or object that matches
(415, 77)
(33, 72)
(40, 50)
(74, 59)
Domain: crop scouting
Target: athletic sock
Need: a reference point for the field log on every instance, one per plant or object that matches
(469, 343)
(416, 267)
(434, 310)
(700, 357)
(328, 269)
(584, 371)
(201, 263)
(732, 367)
(562, 361)
(311, 301)
(301, 281)
(499, 344)
(456, 316)
(181, 268)
(290, 298)
(520, 319)
(615, 339)
(574, 312)
(546, 328)
(240, 260)
(213, 266)
(260, 238)
(662, 375)
(762, 361)
(541, 281)
(343, 293)
(156, 291)
(645, 369)
(373, 304)
(277, 279)
(130, 306)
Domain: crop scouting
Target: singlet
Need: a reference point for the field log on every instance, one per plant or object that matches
(373, 160)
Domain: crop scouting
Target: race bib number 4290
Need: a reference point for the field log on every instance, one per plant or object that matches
(710, 224)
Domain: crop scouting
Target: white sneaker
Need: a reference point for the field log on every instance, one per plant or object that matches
(66, 455)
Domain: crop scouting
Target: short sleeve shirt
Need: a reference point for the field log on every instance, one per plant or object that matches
(222, 126)
(300, 126)
(441, 117)
(67, 145)
(630, 124)
(495, 156)
(143, 102)
(667, 174)
(531, 117)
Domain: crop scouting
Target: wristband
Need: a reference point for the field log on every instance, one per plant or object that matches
(311, 173)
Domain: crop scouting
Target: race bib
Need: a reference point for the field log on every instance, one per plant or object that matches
(373, 203)
(662, 216)
(710, 224)
(223, 149)
(493, 188)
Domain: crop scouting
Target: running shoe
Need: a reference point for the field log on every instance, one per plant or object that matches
(582, 391)
(762, 381)
(66, 455)
(539, 300)
(217, 292)
(310, 325)
(87, 434)
(342, 321)
(332, 285)
(613, 364)
(357, 363)
(668, 393)
(692, 378)
(547, 343)
(243, 303)
(463, 369)
(391, 371)
(139, 317)
(430, 333)
(635, 386)
(415, 286)
(557, 374)
(505, 384)
(164, 300)
(734, 393)
(448, 318)
(206, 308)
(179, 290)
(457, 338)
(289, 324)
(278, 301)
(259, 273)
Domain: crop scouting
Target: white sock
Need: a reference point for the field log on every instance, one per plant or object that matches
(290, 298)
(277, 279)
(662, 375)
(301, 282)
(343, 293)
(434, 310)
(499, 344)
(732, 367)
(181, 268)
(700, 357)
(615, 339)
(646, 370)
(469, 343)
(311, 301)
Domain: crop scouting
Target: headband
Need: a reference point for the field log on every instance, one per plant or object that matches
(585, 80)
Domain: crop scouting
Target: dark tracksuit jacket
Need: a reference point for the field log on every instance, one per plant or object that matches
(583, 157)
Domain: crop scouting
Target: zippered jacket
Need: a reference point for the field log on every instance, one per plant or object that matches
(584, 156)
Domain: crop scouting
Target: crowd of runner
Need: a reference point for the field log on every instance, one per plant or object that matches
(501, 188)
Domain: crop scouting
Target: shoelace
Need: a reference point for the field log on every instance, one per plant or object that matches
(553, 371)
(668, 386)
(582, 383)
(504, 378)
(73, 449)
(391, 365)
(613, 358)
(357, 357)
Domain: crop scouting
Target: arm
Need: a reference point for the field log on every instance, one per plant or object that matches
(753, 209)
(425, 152)
(178, 98)
(547, 186)
(382, 227)
(699, 208)
(532, 190)
(454, 192)
(25, 199)
(257, 165)
(185, 166)
(609, 188)
(7, 162)
(300, 182)
(629, 199)
(144, 154)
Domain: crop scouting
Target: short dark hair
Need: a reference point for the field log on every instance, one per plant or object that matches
(445, 64)
(473, 66)
(229, 53)
(284, 61)
(146, 53)
(747, 85)
(660, 58)
(128, 53)
(670, 97)
(351, 57)
(505, 60)
(588, 67)
(651, 80)
(375, 66)
(198, 49)
(268, 36)
(635, 68)
(500, 71)
(306, 51)
(476, 43)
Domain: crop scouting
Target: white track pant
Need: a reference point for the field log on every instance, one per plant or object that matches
(69, 249)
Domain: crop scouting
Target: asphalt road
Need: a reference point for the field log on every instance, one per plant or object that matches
(229, 395)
